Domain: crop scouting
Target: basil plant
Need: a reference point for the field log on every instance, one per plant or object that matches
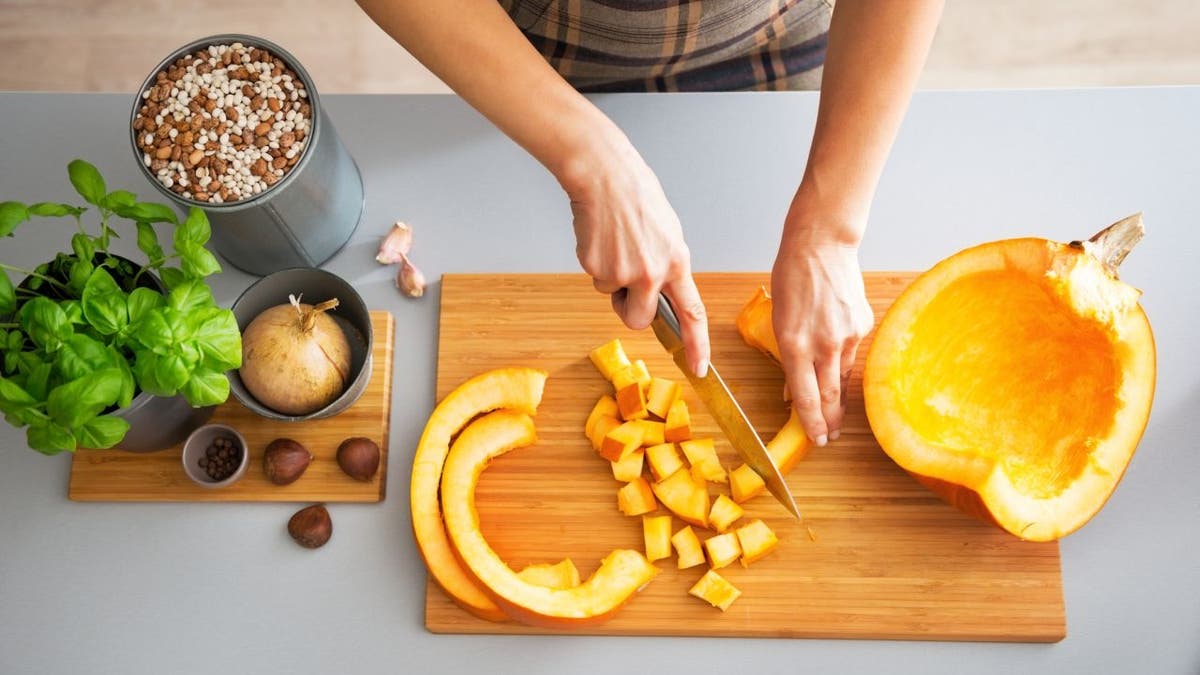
(84, 333)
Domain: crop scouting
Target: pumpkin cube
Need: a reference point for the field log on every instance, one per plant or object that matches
(621, 441)
(653, 432)
(656, 531)
(601, 428)
(688, 552)
(701, 453)
(630, 385)
(636, 498)
(661, 394)
(664, 460)
(609, 358)
(684, 497)
(745, 483)
(561, 575)
(679, 422)
(629, 467)
(715, 590)
(724, 512)
(756, 540)
(722, 549)
(789, 445)
(605, 407)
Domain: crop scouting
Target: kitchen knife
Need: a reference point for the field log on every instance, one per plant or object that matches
(723, 407)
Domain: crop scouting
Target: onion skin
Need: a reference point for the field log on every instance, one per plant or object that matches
(295, 359)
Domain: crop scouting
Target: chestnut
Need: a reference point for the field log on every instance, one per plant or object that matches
(359, 458)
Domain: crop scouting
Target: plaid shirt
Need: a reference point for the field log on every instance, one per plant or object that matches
(679, 45)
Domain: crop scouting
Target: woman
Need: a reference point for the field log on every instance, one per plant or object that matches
(522, 64)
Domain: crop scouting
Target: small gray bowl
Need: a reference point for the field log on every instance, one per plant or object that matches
(315, 285)
(195, 447)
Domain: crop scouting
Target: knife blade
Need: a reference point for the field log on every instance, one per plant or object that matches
(723, 407)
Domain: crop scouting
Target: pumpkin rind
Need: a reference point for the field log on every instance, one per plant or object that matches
(512, 388)
(1015, 380)
(620, 575)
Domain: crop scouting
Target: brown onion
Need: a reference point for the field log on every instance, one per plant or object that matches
(295, 358)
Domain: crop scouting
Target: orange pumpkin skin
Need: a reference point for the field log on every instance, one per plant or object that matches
(1014, 379)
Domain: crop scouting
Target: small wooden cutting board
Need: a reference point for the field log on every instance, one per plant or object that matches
(118, 476)
(878, 555)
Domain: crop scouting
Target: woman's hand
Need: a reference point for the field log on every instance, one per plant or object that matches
(820, 313)
(629, 240)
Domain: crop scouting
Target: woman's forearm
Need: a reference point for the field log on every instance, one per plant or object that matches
(875, 54)
(475, 48)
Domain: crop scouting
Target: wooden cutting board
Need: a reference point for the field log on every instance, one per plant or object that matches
(885, 559)
(117, 476)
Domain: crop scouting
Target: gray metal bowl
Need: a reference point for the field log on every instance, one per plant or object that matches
(316, 285)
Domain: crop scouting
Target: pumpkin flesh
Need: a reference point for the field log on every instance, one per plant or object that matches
(1015, 380)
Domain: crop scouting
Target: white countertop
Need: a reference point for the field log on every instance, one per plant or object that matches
(208, 588)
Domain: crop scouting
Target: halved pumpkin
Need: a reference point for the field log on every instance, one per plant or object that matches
(1015, 379)
(619, 577)
(515, 388)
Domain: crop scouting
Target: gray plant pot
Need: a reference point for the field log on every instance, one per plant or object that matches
(157, 423)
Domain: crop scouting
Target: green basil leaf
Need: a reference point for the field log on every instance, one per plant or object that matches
(171, 276)
(128, 385)
(119, 200)
(52, 210)
(194, 229)
(172, 371)
(189, 296)
(49, 438)
(141, 301)
(81, 355)
(38, 383)
(181, 327)
(190, 353)
(83, 246)
(206, 388)
(104, 303)
(45, 323)
(74, 311)
(77, 277)
(87, 181)
(13, 395)
(219, 340)
(20, 417)
(154, 333)
(16, 340)
(12, 214)
(145, 371)
(196, 261)
(147, 241)
(74, 403)
(102, 432)
(150, 212)
(8, 295)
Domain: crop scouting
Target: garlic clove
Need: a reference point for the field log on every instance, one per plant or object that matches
(409, 279)
(395, 245)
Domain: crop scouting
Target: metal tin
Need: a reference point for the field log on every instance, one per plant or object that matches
(312, 285)
(302, 220)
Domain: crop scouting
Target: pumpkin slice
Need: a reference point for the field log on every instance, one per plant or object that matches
(1015, 379)
(515, 388)
(619, 577)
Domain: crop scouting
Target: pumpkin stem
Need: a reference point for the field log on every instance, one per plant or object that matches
(1114, 242)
